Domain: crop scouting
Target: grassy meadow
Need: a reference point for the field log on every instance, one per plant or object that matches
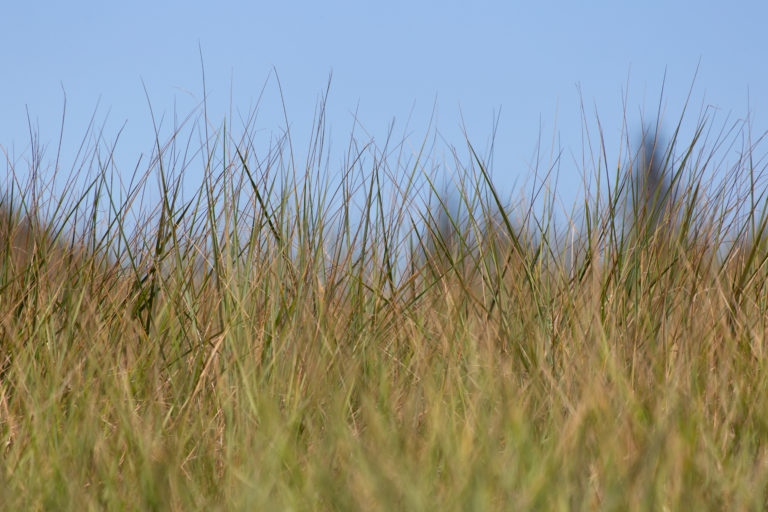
(308, 334)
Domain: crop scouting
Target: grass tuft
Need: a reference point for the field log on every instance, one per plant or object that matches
(288, 337)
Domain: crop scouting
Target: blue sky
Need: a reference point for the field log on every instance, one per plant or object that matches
(530, 61)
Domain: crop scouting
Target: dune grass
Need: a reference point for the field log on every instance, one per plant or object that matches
(290, 337)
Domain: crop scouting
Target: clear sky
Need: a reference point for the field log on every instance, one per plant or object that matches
(530, 61)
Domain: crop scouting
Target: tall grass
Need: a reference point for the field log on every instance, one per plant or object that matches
(294, 337)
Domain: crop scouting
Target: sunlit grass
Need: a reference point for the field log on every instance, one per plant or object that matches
(289, 337)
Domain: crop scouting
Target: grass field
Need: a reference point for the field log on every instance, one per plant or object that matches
(293, 336)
